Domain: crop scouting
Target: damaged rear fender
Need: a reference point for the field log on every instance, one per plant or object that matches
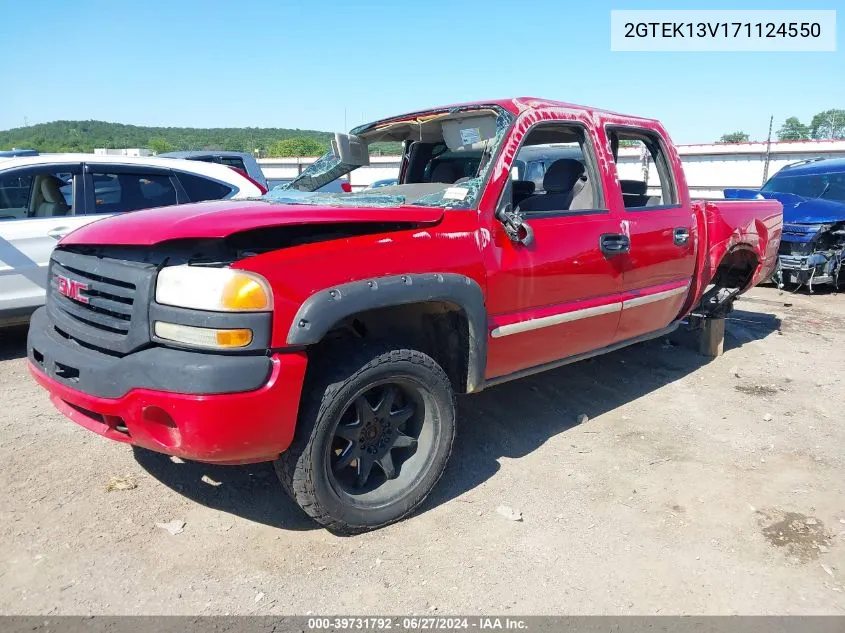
(734, 275)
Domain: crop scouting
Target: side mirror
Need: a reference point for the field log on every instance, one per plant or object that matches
(351, 150)
(516, 228)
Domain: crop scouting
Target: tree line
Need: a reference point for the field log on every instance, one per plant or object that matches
(84, 136)
(827, 125)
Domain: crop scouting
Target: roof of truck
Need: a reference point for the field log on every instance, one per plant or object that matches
(514, 105)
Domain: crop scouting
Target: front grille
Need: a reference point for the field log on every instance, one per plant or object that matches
(788, 262)
(100, 302)
(107, 303)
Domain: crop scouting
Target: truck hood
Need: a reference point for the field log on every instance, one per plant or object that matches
(222, 218)
(797, 209)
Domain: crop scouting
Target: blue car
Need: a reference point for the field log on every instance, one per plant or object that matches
(812, 192)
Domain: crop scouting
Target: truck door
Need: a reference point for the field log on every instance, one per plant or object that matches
(557, 295)
(658, 220)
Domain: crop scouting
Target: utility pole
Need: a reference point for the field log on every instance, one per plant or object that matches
(768, 152)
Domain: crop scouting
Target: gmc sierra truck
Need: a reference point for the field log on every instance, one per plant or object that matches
(330, 332)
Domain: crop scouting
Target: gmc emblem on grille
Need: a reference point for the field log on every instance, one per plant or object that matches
(71, 288)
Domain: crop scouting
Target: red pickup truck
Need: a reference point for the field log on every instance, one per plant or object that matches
(330, 331)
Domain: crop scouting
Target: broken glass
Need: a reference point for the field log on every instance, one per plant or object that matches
(360, 199)
(328, 168)
(465, 195)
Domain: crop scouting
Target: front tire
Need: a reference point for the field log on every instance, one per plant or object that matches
(372, 439)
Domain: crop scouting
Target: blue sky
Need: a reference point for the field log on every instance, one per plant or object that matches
(314, 65)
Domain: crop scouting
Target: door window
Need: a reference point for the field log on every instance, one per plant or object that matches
(561, 176)
(644, 173)
(199, 188)
(233, 161)
(36, 194)
(116, 193)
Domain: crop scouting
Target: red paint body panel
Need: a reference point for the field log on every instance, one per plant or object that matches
(562, 270)
(526, 289)
(297, 273)
(514, 353)
(642, 319)
(562, 267)
(228, 428)
(755, 225)
(220, 218)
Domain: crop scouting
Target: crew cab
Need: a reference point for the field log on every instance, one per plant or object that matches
(330, 332)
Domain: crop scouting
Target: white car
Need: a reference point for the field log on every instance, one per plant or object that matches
(43, 198)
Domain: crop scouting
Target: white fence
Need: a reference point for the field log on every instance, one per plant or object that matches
(708, 168)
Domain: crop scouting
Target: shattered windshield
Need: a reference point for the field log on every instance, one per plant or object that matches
(825, 186)
(448, 156)
(360, 199)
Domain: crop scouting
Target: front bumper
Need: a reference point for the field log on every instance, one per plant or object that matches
(813, 269)
(236, 427)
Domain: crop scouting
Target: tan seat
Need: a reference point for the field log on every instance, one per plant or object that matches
(559, 182)
(53, 202)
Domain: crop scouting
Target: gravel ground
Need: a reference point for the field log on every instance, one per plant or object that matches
(695, 486)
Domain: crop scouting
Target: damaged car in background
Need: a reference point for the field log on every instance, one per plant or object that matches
(813, 243)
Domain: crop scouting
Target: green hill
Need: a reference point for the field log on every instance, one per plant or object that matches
(84, 136)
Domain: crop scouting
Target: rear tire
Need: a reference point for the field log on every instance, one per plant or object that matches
(374, 434)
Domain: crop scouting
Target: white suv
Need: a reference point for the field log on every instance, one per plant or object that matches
(43, 198)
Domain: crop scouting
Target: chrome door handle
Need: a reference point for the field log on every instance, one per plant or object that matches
(59, 232)
(680, 236)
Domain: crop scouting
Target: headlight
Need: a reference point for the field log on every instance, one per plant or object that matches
(219, 289)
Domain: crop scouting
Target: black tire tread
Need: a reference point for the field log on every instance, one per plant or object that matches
(329, 373)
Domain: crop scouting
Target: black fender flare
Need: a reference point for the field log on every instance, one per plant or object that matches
(325, 308)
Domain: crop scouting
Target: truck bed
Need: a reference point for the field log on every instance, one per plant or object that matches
(727, 225)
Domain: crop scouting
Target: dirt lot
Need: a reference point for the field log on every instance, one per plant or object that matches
(694, 487)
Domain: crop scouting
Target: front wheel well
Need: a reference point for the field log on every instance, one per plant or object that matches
(438, 328)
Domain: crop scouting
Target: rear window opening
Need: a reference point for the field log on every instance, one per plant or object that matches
(645, 175)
